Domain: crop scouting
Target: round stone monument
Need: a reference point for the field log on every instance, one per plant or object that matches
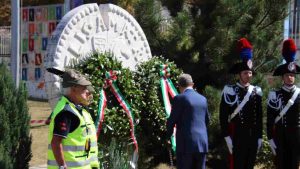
(92, 28)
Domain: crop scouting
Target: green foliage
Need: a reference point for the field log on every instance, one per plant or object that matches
(116, 123)
(142, 91)
(217, 149)
(153, 117)
(148, 15)
(213, 96)
(117, 156)
(201, 36)
(96, 66)
(265, 156)
(15, 139)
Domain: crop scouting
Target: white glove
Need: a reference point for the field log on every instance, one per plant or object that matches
(259, 143)
(229, 143)
(273, 146)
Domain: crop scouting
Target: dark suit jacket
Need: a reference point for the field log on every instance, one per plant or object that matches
(190, 115)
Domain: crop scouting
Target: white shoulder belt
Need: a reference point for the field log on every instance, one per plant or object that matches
(288, 105)
(242, 104)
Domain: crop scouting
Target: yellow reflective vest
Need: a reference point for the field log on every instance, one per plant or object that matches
(75, 145)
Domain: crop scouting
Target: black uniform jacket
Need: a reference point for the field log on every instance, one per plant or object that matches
(277, 100)
(250, 116)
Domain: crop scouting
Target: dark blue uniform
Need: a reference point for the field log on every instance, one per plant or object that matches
(245, 128)
(286, 132)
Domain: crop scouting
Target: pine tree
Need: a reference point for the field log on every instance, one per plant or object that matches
(201, 39)
(15, 139)
(202, 35)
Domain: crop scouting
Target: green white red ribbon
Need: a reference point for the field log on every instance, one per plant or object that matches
(167, 88)
(110, 82)
(111, 78)
(101, 111)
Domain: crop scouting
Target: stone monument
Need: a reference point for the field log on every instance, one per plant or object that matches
(92, 28)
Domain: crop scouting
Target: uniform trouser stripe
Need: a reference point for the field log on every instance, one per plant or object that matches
(74, 163)
(74, 148)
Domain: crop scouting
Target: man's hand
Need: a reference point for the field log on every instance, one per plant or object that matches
(273, 146)
(229, 143)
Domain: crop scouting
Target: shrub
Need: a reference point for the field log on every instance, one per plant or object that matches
(153, 117)
(15, 139)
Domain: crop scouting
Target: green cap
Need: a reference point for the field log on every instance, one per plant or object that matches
(90, 89)
(72, 77)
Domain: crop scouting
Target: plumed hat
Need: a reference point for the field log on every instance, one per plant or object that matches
(245, 51)
(288, 52)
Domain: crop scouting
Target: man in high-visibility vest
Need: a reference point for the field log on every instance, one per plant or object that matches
(72, 141)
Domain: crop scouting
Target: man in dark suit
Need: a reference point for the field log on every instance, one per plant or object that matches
(190, 116)
(241, 113)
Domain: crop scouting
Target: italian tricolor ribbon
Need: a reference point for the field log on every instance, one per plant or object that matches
(110, 82)
(101, 111)
(167, 88)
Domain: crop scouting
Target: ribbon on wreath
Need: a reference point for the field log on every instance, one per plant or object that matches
(101, 111)
(167, 87)
(110, 82)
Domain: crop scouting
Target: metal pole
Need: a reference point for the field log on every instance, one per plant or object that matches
(15, 41)
(67, 6)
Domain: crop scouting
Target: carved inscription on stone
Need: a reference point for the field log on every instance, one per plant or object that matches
(89, 28)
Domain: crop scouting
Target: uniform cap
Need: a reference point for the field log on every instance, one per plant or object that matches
(288, 52)
(72, 77)
(244, 48)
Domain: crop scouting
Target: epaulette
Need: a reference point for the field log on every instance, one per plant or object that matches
(228, 89)
(258, 90)
(273, 100)
(272, 95)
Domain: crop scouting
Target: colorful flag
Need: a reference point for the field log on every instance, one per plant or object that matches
(31, 29)
(38, 59)
(25, 15)
(24, 58)
(31, 44)
(44, 43)
(37, 73)
(51, 27)
(24, 74)
(31, 14)
(44, 14)
(58, 12)
(51, 13)
(38, 14)
(25, 45)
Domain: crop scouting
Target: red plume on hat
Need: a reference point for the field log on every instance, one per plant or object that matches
(289, 50)
(245, 49)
